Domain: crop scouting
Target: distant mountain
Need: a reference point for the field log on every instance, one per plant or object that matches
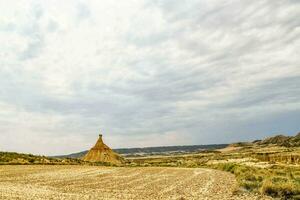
(282, 140)
(154, 150)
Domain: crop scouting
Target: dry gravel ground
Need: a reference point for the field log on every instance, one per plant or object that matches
(92, 182)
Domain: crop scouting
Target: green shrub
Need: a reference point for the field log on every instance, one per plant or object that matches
(250, 185)
(228, 167)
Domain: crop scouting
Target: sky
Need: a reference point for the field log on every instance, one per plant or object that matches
(146, 72)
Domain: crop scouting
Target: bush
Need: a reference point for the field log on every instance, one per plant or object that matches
(250, 185)
(285, 189)
(228, 167)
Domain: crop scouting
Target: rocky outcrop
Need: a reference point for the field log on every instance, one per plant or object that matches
(102, 153)
(289, 158)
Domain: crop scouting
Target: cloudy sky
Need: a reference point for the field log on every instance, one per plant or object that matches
(146, 72)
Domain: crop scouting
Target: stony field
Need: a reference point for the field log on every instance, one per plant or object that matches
(94, 182)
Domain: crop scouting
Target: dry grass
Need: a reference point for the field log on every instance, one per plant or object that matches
(284, 188)
(280, 181)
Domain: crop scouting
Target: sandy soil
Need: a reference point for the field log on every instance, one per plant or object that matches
(90, 182)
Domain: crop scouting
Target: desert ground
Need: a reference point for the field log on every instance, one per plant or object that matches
(96, 182)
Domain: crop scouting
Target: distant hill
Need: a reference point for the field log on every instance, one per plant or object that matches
(12, 158)
(154, 150)
(282, 140)
(75, 158)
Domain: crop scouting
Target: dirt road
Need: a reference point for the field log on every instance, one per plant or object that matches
(90, 182)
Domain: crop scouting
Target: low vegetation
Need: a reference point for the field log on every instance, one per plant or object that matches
(276, 181)
(12, 158)
(266, 169)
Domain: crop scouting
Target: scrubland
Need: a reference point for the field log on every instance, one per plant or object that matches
(262, 169)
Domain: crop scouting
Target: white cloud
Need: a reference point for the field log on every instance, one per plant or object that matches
(139, 69)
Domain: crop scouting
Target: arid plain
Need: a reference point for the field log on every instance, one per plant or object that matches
(96, 182)
(262, 169)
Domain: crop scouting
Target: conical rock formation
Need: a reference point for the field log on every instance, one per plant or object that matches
(102, 153)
